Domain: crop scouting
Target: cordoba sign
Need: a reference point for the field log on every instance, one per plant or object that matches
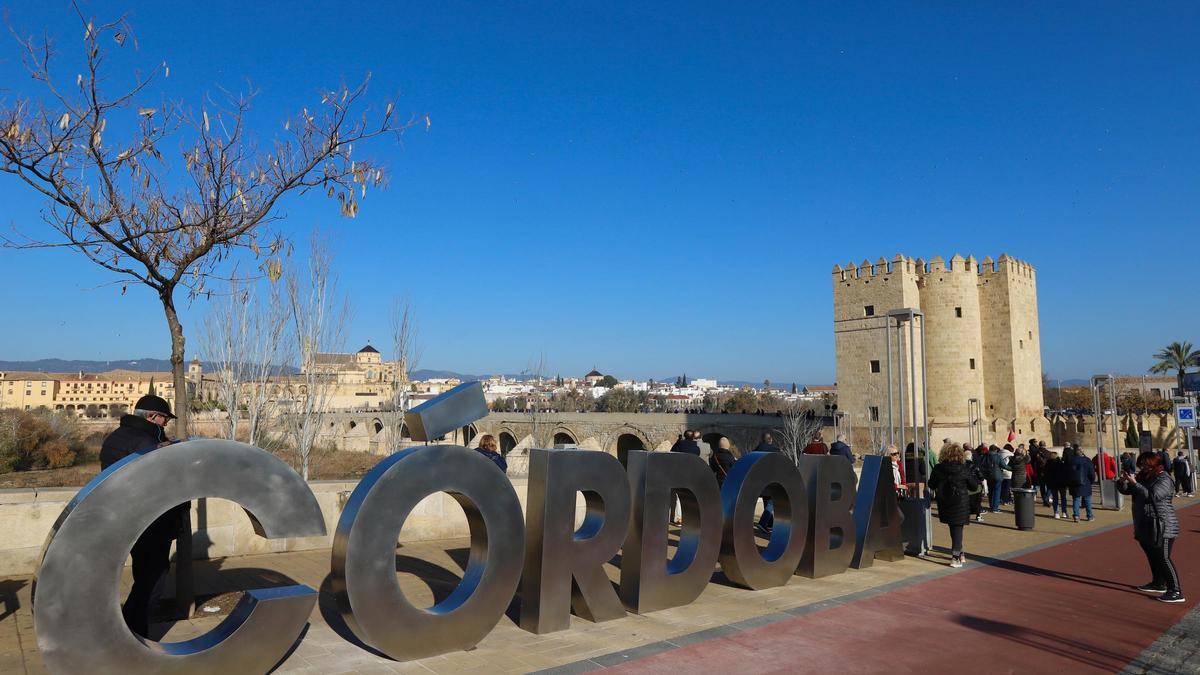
(822, 526)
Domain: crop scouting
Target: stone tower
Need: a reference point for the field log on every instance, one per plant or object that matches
(981, 342)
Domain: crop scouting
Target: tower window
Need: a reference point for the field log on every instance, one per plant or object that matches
(869, 310)
(874, 413)
(1020, 344)
(972, 364)
(875, 366)
(958, 312)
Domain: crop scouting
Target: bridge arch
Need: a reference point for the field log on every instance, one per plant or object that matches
(627, 442)
(507, 441)
(563, 436)
(377, 425)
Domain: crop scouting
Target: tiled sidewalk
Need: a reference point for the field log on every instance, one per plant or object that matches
(432, 570)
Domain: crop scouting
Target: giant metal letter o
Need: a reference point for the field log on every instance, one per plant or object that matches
(364, 552)
(754, 474)
(76, 610)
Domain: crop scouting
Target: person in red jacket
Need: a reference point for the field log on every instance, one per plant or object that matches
(1110, 466)
(816, 446)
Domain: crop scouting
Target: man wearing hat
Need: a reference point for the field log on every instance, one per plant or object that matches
(138, 433)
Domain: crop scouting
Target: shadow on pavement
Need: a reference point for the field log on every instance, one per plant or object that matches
(1070, 647)
(1022, 568)
(8, 596)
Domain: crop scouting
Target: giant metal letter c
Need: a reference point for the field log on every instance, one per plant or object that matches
(76, 609)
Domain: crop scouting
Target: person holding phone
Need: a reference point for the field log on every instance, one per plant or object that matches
(1155, 524)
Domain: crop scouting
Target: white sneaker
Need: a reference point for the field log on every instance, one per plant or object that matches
(956, 562)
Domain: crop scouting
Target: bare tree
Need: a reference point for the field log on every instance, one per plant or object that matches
(797, 429)
(406, 354)
(318, 319)
(244, 338)
(535, 371)
(110, 192)
(223, 344)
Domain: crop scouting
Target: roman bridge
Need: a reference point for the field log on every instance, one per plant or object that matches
(516, 433)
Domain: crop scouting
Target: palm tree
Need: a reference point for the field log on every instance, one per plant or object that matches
(1177, 356)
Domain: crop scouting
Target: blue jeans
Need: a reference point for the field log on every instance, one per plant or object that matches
(767, 519)
(1044, 489)
(1087, 503)
(1058, 497)
(994, 494)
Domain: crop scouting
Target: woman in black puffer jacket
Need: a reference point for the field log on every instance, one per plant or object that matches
(953, 484)
(1016, 464)
(1155, 525)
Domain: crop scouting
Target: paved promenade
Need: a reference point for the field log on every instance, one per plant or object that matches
(1052, 600)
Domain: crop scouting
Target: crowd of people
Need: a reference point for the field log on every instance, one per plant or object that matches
(962, 476)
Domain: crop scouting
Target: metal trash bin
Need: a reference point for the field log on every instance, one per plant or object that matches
(1023, 507)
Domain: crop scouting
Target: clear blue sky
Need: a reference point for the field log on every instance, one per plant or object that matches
(652, 189)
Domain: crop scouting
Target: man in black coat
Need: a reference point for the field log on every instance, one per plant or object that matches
(840, 447)
(139, 433)
(686, 444)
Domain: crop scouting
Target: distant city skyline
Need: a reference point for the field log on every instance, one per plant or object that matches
(649, 188)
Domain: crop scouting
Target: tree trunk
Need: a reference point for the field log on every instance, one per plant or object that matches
(182, 407)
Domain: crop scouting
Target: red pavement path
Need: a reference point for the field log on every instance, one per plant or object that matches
(1064, 609)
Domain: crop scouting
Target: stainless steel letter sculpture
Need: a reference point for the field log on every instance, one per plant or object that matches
(565, 569)
(832, 535)
(364, 552)
(877, 515)
(756, 474)
(76, 608)
(650, 581)
(446, 412)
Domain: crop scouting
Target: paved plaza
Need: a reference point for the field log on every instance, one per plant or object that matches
(1055, 599)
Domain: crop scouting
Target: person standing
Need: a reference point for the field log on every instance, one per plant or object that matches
(1155, 523)
(989, 463)
(721, 460)
(1016, 466)
(952, 483)
(816, 446)
(766, 443)
(488, 447)
(841, 448)
(1056, 477)
(1005, 474)
(139, 433)
(897, 471)
(1080, 477)
(688, 446)
(976, 501)
(1183, 475)
(767, 520)
(1110, 466)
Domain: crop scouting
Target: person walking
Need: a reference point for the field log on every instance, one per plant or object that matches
(1155, 523)
(841, 448)
(1080, 477)
(952, 483)
(138, 433)
(488, 447)
(1182, 469)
